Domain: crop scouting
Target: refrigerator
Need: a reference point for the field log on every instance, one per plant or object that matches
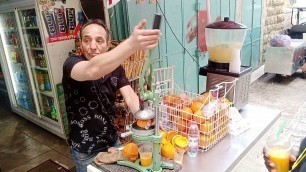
(3, 90)
(36, 38)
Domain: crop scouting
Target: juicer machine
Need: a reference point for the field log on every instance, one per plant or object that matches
(149, 111)
(149, 93)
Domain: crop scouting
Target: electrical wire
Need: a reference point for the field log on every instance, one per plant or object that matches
(175, 35)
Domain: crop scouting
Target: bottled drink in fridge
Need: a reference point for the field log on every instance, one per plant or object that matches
(193, 139)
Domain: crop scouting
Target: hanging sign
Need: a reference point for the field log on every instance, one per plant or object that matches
(58, 27)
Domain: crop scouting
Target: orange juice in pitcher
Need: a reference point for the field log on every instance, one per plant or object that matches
(146, 159)
(145, 152)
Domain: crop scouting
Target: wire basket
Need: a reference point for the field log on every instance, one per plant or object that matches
(133, 65)
(179, 108)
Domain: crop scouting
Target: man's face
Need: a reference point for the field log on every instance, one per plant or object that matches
(93, 41)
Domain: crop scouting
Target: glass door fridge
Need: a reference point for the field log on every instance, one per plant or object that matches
(39, 66)
(16, 63)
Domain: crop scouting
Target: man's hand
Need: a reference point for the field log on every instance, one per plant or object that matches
(142, 38)
(271, 166)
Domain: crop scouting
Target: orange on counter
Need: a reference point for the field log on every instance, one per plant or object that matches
(181, 142)
(167, 150)
(164, 134)
(173, 139)
(171, 134)
(130, 151)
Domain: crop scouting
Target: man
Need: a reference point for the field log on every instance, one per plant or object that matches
(299, 166)
(90, 82)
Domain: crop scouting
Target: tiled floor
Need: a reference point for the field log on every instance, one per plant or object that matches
(23, 145)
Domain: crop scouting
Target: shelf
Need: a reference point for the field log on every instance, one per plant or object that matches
(8, 29)
(21, 84)
(34, 27)
(46, 93)
(12, 46)
(34, 48)
(18, 64)
(39, 68)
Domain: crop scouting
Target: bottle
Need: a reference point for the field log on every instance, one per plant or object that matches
(53, 113)
(40, 81)
(47, 82)
(165, 116)
(193, 139)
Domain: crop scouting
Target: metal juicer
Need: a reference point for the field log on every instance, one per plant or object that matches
(149, 94)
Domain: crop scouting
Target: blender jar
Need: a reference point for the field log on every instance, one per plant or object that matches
(224, 40)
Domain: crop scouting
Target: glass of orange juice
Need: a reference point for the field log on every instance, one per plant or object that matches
(145, 152)
(278, 149)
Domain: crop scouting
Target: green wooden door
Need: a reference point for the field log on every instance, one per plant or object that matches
(179, 18)
(251, 17)
(178, 45)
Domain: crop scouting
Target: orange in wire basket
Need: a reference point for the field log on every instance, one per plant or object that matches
(196, 106)
(199, 117)
(186, 113)
(206, 127)
(206, 98)
(181, 125)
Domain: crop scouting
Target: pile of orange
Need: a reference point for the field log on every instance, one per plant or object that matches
(174, 142)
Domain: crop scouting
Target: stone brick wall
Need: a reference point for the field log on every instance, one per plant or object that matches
(276, 19)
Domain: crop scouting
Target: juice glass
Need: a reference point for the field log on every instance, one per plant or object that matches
(278, 150)
(145, 152)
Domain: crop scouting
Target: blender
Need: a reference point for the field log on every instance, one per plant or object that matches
(224, 40)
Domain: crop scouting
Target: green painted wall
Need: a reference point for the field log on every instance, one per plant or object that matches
(175, 28)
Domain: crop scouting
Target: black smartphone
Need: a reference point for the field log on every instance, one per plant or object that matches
(157, 21)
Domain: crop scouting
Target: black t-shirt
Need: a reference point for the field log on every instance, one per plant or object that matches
(90, 107)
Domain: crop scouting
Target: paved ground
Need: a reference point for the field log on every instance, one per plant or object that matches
(288, 95)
